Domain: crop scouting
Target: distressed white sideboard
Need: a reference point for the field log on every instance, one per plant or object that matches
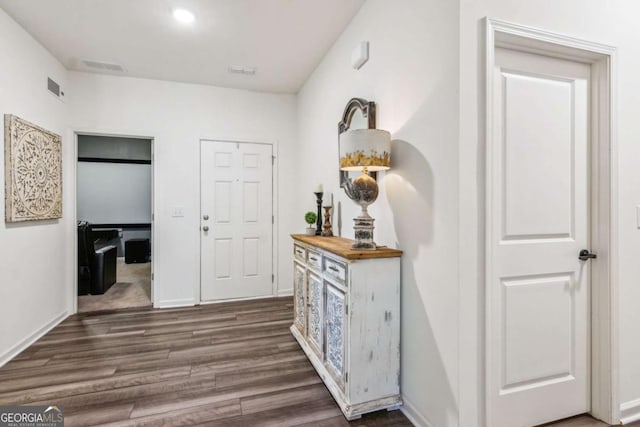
(347, 320)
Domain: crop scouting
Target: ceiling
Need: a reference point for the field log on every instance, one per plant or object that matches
(283, 39)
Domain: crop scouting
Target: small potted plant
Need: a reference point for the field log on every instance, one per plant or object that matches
(310, 218)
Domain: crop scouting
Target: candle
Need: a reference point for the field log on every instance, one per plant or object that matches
(328, 198)
(318, 189)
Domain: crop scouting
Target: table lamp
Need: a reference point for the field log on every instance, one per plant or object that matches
(364, 150)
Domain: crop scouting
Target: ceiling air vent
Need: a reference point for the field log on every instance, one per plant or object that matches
(103, 66)
(236, 69)
(54, 88)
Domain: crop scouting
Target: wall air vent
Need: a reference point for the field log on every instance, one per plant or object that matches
(54, 88)
(236, 69)
(103, 66)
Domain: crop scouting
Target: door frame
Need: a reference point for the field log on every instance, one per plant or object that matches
(603, 206)
(116, 134)
(274, 223)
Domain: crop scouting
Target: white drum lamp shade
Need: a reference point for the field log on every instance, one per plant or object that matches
(365, 148)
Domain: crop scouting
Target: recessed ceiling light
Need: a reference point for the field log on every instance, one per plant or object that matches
(183, 15)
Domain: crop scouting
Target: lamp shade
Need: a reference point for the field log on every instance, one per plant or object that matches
(370, 148)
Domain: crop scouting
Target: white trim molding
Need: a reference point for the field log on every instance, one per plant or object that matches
(221, 301)
(503, 31)
(35, 336)
(630, 412)
(117, 133)
(409, 410)
(604, 185)
(171, 303)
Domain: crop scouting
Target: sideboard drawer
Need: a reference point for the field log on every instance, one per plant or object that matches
(335, 269)
(314, 260)
(300, 253)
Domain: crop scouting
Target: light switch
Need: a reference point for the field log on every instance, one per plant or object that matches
(178, 212)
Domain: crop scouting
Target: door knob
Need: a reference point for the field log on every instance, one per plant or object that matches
(205, 217)
(584, 255)
(205, 228)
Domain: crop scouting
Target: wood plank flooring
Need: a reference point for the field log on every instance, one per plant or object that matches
(230, 364)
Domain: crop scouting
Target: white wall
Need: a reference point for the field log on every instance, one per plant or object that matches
(614, 23)
(34, 256)
(425, 73)
(113, 193)
(413, 77)
(177, 116)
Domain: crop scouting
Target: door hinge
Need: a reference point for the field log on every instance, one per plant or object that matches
(273, 278)
(273, 160)
(346, 377)
(151, 276)
(153, 217)
(273, 219)
(347, 307)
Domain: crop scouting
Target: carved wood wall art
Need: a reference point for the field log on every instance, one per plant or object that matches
(33, 171)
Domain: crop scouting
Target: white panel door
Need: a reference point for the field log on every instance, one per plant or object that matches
(236, 220)
(537, 222)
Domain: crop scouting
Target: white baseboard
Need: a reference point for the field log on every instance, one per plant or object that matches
(220, 301)
(35, 336)
(285, 292)
(630, 411)
(171, 303)
(409, 410)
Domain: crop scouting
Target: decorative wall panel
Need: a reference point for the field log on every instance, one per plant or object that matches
(33, 171)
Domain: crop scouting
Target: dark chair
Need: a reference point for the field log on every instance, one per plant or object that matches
(96, 267)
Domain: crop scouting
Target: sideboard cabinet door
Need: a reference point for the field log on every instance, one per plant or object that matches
(315, 314)
(300, 301)
(335, 332)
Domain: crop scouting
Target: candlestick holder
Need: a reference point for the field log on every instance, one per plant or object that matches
(327, 231)
(319, 221)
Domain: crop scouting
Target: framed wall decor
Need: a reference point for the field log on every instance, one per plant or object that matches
(33, 171)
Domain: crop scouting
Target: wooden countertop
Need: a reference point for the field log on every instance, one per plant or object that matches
(342, 247)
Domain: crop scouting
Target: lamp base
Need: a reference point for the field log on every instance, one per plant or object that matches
(363, 230)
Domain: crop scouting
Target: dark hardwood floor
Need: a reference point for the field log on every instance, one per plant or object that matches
(230, 364)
